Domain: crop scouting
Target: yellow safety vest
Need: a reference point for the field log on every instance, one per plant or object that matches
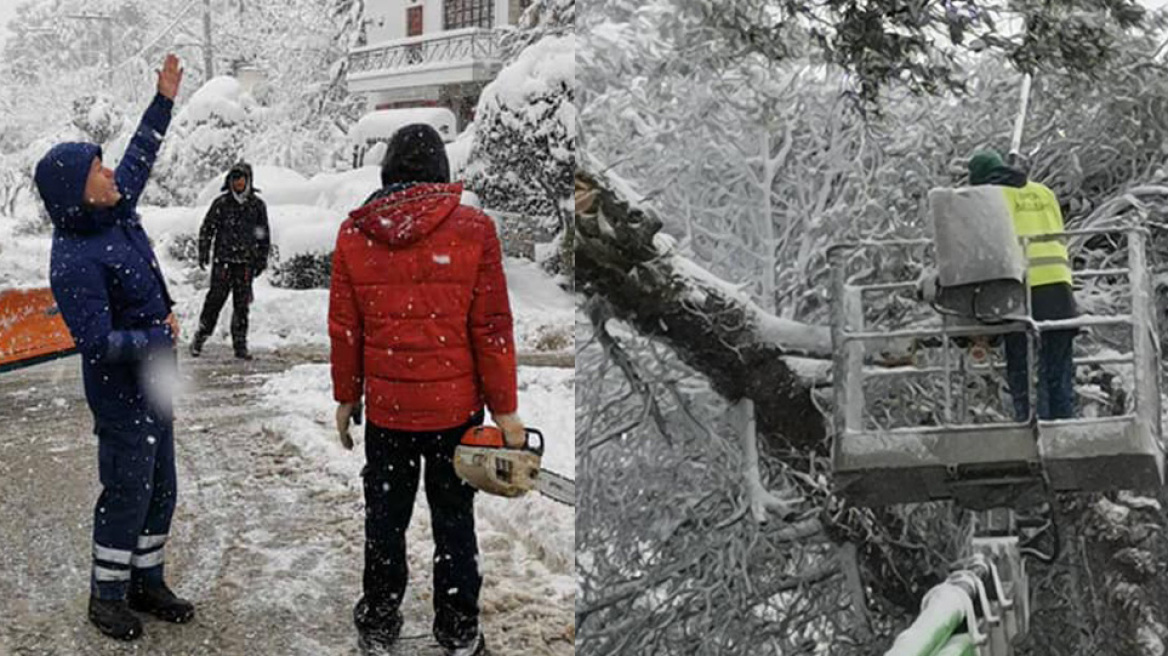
(1036, 211)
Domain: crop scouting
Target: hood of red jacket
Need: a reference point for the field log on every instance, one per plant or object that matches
(407, 216)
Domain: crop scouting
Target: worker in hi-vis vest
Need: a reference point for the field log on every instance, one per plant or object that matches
(1035, 211)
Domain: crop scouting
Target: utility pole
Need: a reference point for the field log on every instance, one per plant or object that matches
(208, 49)
(107, 34)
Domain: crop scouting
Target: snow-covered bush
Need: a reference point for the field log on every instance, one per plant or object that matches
(98, 117)
(302, 271)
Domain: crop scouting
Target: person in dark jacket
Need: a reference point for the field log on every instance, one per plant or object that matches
(421, 328)
(237, 228)
(1035, 211)
(113, 297)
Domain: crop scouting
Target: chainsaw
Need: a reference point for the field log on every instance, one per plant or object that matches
(485, 462)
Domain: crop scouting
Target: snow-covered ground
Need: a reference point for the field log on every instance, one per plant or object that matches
(269, 518)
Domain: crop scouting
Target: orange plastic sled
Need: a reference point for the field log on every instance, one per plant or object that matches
(31, 329)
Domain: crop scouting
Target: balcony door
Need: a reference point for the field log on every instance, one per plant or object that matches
(415, 54)
(414, 21)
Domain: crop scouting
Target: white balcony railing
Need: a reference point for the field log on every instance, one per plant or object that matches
(457, 47)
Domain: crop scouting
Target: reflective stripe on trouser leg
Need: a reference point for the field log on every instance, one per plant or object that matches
(106, 574)
(150, 541)
(111, 565)
(148, 560)
(116, 556)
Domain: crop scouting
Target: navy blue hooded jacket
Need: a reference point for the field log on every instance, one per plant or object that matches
(105, 277)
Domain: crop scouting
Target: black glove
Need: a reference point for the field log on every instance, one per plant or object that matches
(202, 263)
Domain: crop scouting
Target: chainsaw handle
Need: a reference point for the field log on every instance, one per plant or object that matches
(533, 445)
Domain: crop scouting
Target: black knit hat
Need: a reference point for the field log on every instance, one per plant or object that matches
(415, 154)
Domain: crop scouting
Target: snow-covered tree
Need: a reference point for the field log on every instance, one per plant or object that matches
(689, 126)
(523, 155)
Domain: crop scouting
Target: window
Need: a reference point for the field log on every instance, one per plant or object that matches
(469, 13)
(414, 21)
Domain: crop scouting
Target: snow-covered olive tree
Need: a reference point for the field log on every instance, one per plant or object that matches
(721, 160)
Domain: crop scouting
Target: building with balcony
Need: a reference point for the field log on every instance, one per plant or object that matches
(430, 53)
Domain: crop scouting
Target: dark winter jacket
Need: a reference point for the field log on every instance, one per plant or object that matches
(236, 227)
(104, 275)
(419, 316)
(1048, 302)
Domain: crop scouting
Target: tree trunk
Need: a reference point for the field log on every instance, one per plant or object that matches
(620, 255)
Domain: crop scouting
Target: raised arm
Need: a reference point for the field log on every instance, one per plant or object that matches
(134, 170)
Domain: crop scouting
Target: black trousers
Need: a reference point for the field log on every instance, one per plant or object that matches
(393, 462)
(227, 278)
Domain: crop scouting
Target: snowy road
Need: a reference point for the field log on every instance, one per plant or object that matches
(267, 538)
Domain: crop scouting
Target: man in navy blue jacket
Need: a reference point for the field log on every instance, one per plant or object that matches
(112, 295)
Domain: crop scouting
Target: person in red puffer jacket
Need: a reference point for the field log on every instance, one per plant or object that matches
(421, 328)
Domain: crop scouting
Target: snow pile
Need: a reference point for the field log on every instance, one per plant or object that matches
(221, 98)
(295, 229)
(24, 259)
(342, 191)
(544, 313)
(275, 184)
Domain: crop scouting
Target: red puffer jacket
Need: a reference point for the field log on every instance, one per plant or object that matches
(418, 312)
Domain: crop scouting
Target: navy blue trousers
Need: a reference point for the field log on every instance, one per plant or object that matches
(132, 518)
(1056, 375)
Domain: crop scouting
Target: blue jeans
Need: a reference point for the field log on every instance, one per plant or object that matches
(1056, 375)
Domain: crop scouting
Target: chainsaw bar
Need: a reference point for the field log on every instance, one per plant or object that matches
(556, 487)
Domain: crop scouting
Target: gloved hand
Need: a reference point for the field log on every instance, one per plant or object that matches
(514, 433)
(347, 412)
(202, 263)
(927, 286)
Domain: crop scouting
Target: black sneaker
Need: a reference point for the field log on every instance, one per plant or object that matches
(243, 354)
(113, 618)
(377, 629)
(196, 347)
(161, 603)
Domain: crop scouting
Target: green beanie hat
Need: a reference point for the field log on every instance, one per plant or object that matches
(982, 164)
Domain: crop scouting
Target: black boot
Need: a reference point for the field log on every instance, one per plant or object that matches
(377, 629)
(113, 618)
(476, 647)
(197, 345)
(160, 602)
(242, 353)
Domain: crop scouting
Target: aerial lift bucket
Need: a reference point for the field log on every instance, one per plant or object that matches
(986, 465)
(31, 329)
